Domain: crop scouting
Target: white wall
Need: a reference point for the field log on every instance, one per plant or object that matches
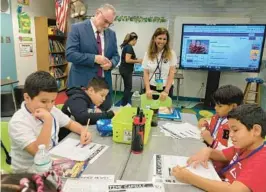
(27, 65)
(254, 10)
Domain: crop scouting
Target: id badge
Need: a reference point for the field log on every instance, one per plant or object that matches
(159, 84)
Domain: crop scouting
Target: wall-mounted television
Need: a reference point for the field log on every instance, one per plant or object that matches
(222, 47)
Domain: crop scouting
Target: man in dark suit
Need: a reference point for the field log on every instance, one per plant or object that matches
(92, 49)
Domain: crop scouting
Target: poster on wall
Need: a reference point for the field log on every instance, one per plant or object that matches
(24, 21)
(20, 38)
(5, 6)
(24, 2)
(26, 49)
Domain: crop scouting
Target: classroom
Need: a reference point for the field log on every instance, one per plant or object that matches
(113, 96)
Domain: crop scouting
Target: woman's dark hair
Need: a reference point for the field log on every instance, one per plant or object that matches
(129, 37)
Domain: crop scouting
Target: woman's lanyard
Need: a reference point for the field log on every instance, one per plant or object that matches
(53, 140)
(158, 66)
(238, 160)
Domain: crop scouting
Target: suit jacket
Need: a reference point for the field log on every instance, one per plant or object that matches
(81, 48)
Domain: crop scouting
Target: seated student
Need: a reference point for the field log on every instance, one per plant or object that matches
(38, 121)
(246, 167)
(83, 104)
(31, 182)
(226, 98)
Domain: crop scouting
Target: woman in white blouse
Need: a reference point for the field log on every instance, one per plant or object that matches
(159, 65)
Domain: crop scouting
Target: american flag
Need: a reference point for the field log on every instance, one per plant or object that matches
(61, 12)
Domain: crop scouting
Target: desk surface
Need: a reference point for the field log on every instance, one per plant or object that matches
(139, 166)
(112, 161)
(8, 82)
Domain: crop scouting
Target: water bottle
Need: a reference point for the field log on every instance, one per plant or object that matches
(42, 160)
(135, 100)
(154, 120)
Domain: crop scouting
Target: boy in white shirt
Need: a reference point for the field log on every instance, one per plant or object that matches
(38, 121)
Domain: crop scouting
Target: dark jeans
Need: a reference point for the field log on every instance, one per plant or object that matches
(170, 91)
(127, 79)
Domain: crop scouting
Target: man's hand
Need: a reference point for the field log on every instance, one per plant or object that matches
(206, 135)
(42, 114)
(85, 137)
(101, 60)
(107, 66)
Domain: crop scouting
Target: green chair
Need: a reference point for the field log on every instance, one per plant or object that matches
(5, 149)
(60, 106)
(155, 102)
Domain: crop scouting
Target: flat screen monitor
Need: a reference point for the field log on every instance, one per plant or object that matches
(222, 47)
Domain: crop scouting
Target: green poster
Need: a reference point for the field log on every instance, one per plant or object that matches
(24, 21)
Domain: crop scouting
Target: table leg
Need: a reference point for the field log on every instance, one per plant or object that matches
(177, 89)
(115, 88)
(13, 96)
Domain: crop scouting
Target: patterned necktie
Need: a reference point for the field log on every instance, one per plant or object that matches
(99, 46)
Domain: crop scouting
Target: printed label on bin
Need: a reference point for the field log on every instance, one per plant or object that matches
(127, 135)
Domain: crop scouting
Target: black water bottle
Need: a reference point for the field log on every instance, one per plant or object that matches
(137, 143)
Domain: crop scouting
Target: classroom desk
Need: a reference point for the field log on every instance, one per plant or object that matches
(139, 166)
(112, 161)
(177, 78)
(5, 82)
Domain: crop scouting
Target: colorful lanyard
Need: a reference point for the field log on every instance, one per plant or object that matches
(53, 140)
(238, 160)
(217, 125)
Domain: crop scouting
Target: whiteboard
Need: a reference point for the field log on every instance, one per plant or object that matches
(143, 30)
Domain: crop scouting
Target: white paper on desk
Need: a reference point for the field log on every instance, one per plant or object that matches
(86, 185)
(99, 178)
(182, 130)
(158, 186)
(72, 149)
(132, 186)
(163, 165)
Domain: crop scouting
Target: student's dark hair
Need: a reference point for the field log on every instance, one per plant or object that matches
(129, 37)
(228, 94)
(40, 81)
(98, 84)
(16, 182)
(249, 115)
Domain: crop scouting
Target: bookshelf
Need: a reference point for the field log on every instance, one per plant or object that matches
(50, 46)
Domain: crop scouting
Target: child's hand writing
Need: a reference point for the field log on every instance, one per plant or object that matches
(85, 137)
(42, 114)
(181, 174)
(206, 135)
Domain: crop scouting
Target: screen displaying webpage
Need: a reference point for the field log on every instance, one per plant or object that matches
(222, 47)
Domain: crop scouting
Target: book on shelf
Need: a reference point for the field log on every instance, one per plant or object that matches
(56, 46)
(57, 72)
(56, 59)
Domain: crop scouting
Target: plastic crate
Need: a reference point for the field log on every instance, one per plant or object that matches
(123, 121)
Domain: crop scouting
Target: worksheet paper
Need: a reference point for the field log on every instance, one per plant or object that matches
(181, 130)
(89, 183)
(132, 186)
(157, 186)
(72, 149)
(163, 164)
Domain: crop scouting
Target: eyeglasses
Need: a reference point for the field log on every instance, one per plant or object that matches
(110, 24)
